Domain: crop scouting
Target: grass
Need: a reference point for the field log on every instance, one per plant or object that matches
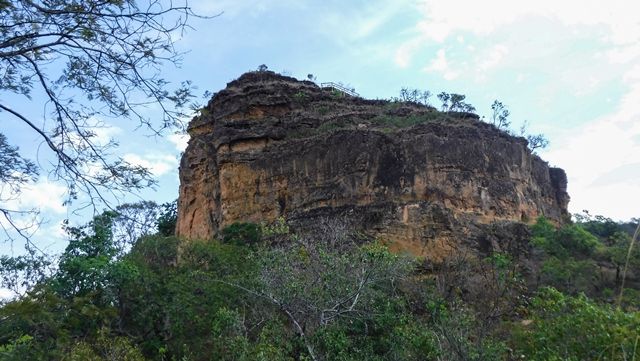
(310, 132)
(329, 126)
(405, 121)
(323, 110)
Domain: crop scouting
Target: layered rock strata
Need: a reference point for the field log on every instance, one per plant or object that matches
(425, 181)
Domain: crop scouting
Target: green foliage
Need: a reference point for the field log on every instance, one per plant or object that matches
(240, 233)
(323, 110)
(576, 328)
(414, 96)
(301, 97)
(453, 102)
(568, 263)
(264, 293)
(569, 274)
(167, 219)
(405, 121)
(84, 265)
(277, 228)
(329, 126)
(569, 240)
(17, 349)
(106, 347)
(576, 239)
(23, 272)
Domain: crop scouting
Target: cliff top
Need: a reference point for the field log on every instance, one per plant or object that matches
(319, 110)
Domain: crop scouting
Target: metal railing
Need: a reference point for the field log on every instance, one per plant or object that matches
(340, 88)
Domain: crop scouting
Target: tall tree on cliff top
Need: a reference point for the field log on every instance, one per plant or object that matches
(84, 62)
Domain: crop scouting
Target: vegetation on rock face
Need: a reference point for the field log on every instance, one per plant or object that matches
(395, 121)
(266, 293)
(452, 102)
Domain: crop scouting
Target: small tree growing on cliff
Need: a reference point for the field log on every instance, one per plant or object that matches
(534, 141)
(453, 102)
(500, 116)
(537, 141)
(444, 98)
(414, 96)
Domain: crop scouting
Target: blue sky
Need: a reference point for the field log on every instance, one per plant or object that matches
(571, 68)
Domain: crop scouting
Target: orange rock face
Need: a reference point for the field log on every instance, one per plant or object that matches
(270, 146)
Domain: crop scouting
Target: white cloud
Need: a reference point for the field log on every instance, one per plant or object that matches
(613, 22)
(624, 54)
(104, 134)
(43, 195)
(346, 24)
(46, 195)
(442, 18)
(490, 60)
(405, 52)
(441, 65)
(234, 8)
(602, 159)
(494, 56)
(180, 141)
(158, 165)
(6, 294)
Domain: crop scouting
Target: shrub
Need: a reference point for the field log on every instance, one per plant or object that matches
(570, 240)
(241, 233)
(576, 328)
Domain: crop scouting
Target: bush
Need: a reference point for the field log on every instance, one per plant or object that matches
(241, 233)
(569, 240)
(576, 328)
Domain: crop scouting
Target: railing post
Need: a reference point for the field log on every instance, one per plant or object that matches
(339, 88)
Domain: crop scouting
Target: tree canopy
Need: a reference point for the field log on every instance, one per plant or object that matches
(86, 62)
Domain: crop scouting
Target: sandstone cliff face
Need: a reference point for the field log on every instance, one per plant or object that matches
(270, 146)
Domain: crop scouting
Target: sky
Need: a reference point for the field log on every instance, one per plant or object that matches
(571, 69)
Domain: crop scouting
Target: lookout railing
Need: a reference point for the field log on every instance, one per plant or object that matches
(340, 88)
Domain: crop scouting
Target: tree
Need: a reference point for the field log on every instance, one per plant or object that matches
(15, 171)
(457, 103)
(90, 60)
(444, 98)
(534, 141)
(537, 141)
(500, 116)
(415, 96)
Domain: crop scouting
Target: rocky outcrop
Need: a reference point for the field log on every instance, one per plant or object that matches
(426, 181)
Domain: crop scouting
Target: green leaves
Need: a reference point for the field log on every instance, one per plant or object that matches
(569, 240)
(576, 328)
(330, 295)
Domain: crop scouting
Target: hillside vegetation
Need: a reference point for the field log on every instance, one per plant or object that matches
(264, 292)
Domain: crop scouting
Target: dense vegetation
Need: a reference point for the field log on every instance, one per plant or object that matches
(263, 292)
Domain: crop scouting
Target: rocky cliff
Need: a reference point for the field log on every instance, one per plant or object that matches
(423, 180)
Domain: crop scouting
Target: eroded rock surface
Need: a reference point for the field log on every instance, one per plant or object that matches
(270, 146)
